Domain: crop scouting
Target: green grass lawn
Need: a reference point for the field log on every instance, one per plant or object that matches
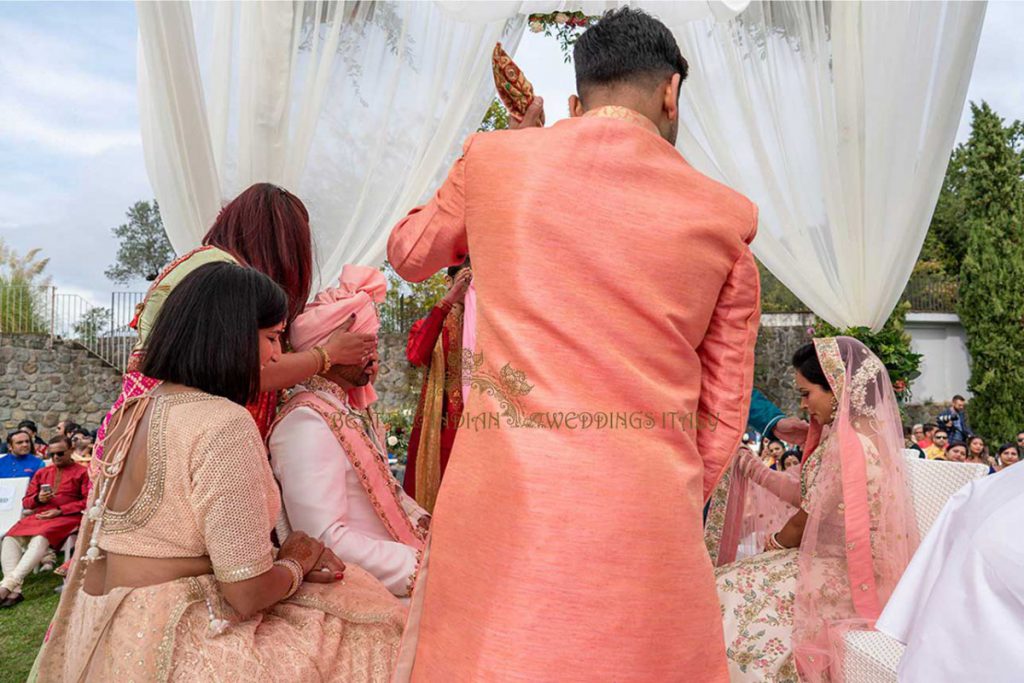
(22, 628)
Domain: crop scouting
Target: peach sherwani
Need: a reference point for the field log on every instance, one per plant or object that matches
(612, 279)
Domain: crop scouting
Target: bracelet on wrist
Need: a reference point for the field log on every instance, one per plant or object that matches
(325, 359)
(296, 571)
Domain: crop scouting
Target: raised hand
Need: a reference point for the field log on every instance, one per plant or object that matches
(533, 118)
(350, 348)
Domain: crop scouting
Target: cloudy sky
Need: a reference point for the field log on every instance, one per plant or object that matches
(71, 155)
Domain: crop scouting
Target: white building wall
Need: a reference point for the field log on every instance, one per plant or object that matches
(945, 367)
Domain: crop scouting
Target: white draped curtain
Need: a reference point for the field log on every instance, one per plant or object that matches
(356, 107)
(837, 119)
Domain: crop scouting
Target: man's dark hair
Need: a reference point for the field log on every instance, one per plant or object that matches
(806, 361)
(81, 431)
(28, 424)
(624, 46)
(944, 431)
(60, 438)
(11, 435)
(454, 270)
(958, 397)
(207, 333)
(70, 427)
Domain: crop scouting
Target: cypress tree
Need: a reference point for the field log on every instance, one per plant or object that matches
(991, 304)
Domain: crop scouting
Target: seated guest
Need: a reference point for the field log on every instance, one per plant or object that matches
(20, 460)
(38, 445)
(977, 452)
(929, 434)
(83, 442)
(917, 433)
(959, 608)
(772, 455)
(179, 531)
(1009, 454)
(910, 443)
(68, 428)
(56, 496)
(940, 443)
(790, 461)
(328, 452)
(957, 452)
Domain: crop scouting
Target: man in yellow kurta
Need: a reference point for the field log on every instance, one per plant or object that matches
(617, 314)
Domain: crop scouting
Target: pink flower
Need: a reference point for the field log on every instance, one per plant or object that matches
(536, 27)
(561, 18)
(810, 331)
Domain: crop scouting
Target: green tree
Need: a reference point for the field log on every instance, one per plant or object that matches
(891, 344)
(496, 117)
(92, 324)
(22, 291)
(407, 302)
(144, 249)
(991, 296)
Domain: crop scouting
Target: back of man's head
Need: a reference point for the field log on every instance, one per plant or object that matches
(626, 47)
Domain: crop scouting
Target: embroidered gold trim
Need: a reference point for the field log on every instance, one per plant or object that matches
(351, 617)
(165, 651)
(410, 585)
(827, 350)
(146, 503)
(245, 572)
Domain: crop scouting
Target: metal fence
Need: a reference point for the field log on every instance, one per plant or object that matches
(932, 295)
(45, 311)
(398, 319)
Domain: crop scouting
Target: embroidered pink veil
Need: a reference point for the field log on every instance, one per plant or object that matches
(861, 530)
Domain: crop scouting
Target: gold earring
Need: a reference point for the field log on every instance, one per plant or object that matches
(835, 407)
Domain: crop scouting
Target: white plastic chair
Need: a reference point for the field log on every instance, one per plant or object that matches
(873, 657)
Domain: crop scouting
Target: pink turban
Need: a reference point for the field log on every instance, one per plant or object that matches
(360, 287)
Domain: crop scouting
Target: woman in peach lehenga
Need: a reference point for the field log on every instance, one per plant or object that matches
(833, 564)
(177, 578)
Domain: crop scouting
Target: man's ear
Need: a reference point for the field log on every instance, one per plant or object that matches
(671, 102)
(575, 106)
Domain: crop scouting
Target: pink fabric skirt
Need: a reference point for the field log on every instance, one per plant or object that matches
(326, 632)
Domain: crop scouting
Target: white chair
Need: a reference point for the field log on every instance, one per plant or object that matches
(873, 657)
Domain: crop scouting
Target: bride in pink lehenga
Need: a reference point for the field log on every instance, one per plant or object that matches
(832, 565)
(176, 578)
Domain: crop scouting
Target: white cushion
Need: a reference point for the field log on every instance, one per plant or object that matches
(870, 656)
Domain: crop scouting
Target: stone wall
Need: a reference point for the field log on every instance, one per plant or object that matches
(47, 384)
(398, 384)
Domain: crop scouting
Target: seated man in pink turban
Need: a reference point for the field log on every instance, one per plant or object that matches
(327, 448)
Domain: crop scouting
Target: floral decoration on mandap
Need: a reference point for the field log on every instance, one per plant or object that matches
(565, 26)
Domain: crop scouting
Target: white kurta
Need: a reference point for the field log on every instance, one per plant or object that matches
(959, 608)
(323, 497)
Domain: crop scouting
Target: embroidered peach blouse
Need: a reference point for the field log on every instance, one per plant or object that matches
(208, 491)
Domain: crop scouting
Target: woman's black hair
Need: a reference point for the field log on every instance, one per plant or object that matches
(1008, 446)
(206, 335)
(806, 361)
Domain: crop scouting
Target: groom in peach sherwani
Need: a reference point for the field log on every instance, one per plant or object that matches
(612, 279)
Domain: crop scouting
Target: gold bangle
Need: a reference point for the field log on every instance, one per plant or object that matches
(296, 571)
(325, 358)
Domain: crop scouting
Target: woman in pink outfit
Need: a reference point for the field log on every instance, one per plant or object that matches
(833, 564)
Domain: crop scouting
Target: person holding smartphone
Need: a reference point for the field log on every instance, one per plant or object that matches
(55, 497)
